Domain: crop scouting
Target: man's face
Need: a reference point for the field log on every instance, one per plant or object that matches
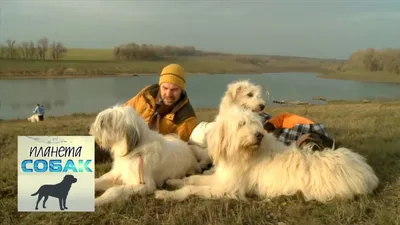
(170, 93)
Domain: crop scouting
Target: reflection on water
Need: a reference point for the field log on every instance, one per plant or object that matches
(18, 98)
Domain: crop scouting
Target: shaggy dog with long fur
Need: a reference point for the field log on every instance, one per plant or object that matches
(253, 162)
(142, 158)
(240, 93)
(34, 118)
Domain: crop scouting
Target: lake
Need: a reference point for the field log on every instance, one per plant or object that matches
(62, 96)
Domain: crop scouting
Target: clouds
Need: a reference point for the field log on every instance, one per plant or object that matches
(304, 28)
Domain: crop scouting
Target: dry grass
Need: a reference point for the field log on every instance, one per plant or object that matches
(371, 129)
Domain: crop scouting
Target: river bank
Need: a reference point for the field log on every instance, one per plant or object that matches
(207, 114)
(24, 69)
(39, 75)
(362, 76)
(71, 73)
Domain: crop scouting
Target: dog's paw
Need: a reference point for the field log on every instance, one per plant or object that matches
(176, 183)
(170, 195)
(162, 194)
(209, 171)
(97, 202)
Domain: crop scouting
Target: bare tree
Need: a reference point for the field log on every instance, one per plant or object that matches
(3, 52)
(371, 59)
(58, 50)
(25, 50)
(42, 45)
(133, 51)
(11, 49)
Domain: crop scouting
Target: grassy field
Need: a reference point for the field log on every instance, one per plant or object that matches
(100, 62)
(381, 77)
(370, 129)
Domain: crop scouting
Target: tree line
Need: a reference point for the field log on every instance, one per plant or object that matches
(387, 60)
(29, 50)
(134, 51)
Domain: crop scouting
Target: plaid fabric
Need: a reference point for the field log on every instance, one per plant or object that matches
(289, 135)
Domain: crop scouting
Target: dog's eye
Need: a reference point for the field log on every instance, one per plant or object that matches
(250, 95)
(242, 123)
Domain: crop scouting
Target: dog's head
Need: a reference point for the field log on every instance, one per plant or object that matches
(244, 94)
(69, 179)
(118, 126)
(236, 135)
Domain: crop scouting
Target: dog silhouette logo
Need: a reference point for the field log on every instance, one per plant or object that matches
(59, 191)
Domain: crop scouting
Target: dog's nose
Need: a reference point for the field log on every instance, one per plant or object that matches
(262, 107)
(259, 136)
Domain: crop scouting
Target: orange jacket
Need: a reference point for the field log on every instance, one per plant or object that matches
(181, 120)
(288, 120)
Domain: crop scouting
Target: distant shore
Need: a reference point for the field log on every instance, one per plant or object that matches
(205, 111)
(18, 76)
(194, 65)
(374, 77)
(353, 76)
(62, 76)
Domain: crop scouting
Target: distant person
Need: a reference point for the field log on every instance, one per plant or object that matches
(165, 106)
(290, 127)
(43, 110)
(39, 110)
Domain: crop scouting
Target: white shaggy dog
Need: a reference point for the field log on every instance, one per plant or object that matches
(142, 159)
(243, 93)
(34, 118)
(253, 162)
(240, 93)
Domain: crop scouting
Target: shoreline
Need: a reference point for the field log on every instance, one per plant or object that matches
(78, 76)
(392, 79)
(359, 78)
(333, 102)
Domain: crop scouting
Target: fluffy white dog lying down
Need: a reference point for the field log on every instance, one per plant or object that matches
(34, 118)
(142, 159)
(251, 161)
(240, 93)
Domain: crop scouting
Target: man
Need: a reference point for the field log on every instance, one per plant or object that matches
(39, 110)
(289, 127)
(165, 106)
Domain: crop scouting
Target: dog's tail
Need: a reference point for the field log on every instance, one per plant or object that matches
(35, 193)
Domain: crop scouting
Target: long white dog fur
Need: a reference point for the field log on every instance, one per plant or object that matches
(251, 161)
(240, 93)
(125, 134)
(34, 118)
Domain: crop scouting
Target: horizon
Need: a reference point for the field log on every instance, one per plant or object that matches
(332, 30)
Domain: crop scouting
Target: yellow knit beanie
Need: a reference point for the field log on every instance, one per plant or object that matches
(175, 74)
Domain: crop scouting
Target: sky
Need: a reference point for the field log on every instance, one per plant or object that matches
(322, 29)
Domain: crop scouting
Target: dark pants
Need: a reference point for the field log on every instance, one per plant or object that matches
(41, 118)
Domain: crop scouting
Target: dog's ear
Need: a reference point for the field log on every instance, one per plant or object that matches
(234, 92)
(132, 139)
(105, 122)
(217, 141)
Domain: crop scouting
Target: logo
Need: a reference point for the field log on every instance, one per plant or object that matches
(56, 174)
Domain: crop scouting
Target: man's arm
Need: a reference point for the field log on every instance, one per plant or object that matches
(277, 121)
(132, 102)
(185, 129)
